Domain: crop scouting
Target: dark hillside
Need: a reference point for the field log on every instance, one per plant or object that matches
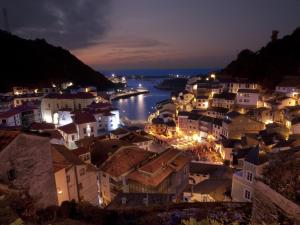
(278, 58)
(37, 63)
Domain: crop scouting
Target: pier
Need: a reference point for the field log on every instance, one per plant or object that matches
(128, 93)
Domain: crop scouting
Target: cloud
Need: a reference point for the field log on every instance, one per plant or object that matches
(69, 23)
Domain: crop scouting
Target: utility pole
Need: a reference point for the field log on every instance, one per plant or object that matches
(5, 20)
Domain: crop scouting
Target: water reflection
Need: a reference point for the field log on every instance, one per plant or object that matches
(138, 107)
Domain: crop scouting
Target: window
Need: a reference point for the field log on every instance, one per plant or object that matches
(79, 106)
(84, 130)
(81, 171)
(73, 137)
(249, 176)
(92, 129)
(57, 106)
(49, 105)
(247, 194)
(3, 121)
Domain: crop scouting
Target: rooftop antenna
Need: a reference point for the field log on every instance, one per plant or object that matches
(5, 20)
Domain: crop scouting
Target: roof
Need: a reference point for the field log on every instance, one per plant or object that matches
(55, 134)
(80, 151)
(216, 188)
(42, 126)
(69, 128)
(217, 121)
(84, 117)
(124, 160)
(233, 114)
(102, 149)
(290, 82)
(225, 95)
(255, 157)
(205, 168)
(218, 109)
(100, 105)
(158, 169)
(119, 131)
(79, 95)
(254, 91)
(16, 110)
(134, 138)
(6, 137)
(63, 157)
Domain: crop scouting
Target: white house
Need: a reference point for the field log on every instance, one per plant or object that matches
(74, 179)
(243, 180)
(248, 97)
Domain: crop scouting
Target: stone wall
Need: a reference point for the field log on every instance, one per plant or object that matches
(270, 207)
(29, 156)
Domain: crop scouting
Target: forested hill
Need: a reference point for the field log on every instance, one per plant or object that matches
(280, 57)
(37, 63)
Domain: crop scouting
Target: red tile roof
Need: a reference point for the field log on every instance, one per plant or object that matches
(69, 128)
(42, 126)
(84, 117)
(16, 110)
(157, 170)
(124, 160)
(80, 151)
(55, 134)
(80, 95)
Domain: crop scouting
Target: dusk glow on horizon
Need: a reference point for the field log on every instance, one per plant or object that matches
(153, 34)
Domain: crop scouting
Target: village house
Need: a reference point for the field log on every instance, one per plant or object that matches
(23, 115)
(262, 114)
(139, 140)
(233, 85)
(202, 102)
(280, 102)
(216, 112)
(119, 133)
(6, 102)
(235, 125)
(74, 179)
(248, 98)
(290, 86)
(182, 121)
(53, 102)
(70, 135)
(224, 100)
(113, 172)
(243, 180)
(167, 173)
(27, 98)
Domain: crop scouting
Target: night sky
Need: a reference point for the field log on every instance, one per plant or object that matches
(120, 34)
